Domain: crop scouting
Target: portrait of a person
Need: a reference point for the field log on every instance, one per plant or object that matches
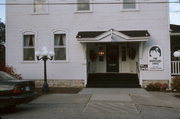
(155, 52)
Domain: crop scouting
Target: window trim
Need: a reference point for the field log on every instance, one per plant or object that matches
(28, 32)
(66, 45)
(29, 47)
(83, 11)
(42, 12)
(130, 9)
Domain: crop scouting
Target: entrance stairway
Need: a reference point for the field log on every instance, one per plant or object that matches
(113, 80)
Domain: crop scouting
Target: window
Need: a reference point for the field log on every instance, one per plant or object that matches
(40, 6)
(60, 46)
(83, 5)
(28, 48)
(129, 4)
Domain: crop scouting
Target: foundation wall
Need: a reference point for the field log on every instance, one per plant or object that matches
(61, 83)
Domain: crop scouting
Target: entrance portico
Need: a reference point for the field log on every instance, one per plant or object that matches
(113, 51)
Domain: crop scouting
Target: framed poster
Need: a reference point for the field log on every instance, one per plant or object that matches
(155, 58)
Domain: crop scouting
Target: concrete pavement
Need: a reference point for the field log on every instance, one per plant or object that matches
(133, 95)
(101, 103)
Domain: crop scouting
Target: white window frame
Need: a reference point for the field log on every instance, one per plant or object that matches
(28, 32)
(130, 9)
(41, 12)
(83, 11)
(26, 47)
(66, 45)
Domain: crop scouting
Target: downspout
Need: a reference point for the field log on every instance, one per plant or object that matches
(140, 57)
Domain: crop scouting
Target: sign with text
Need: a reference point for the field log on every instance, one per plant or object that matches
(155, 58)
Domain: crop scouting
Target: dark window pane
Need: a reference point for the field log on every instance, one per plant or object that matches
(83, 5)
(28, 53)
(31, 41)
(28, 40)
(59, 39)
(129, 4)
(60, 54)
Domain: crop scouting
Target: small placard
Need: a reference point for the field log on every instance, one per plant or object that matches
(144, 67)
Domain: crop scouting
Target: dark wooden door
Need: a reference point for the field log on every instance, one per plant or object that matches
(112, 57)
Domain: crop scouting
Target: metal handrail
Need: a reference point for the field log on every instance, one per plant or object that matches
(88, 67)
(137, 67)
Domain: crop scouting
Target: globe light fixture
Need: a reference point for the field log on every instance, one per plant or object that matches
(176, 53)
(45, 55)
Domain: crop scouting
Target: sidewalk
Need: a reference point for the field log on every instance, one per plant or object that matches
(101, 103)
(134, 95)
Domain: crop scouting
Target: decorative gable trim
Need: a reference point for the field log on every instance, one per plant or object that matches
(113, 36)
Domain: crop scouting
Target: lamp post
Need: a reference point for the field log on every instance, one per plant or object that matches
(45, 55)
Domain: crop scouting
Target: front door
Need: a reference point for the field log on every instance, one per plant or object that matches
(112, 58)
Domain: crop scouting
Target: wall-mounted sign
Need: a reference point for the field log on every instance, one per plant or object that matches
(144, 67)
(155, 58)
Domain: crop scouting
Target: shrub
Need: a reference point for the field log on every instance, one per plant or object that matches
(176, 83)
(10, 70)
(164, 86)
(157, 87)
(150, 87)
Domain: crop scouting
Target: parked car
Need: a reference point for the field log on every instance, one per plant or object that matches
(14, 91)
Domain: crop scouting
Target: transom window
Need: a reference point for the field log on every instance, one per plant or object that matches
(129, 4)
(60, 46)
(83, 5)
(40, 6)
(28, 48)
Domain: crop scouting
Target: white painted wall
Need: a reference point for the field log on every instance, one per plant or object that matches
(151, 17)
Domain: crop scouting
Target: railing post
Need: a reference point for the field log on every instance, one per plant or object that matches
(175, 67)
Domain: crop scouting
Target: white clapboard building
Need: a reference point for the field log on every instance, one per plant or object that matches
(97, 43)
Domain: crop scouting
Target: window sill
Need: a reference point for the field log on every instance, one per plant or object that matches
(40, 13)
(77, 12)
(29, 62)
(130, 10)
(59, 61)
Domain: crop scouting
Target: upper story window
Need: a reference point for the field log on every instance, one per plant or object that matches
(60, 46)
(83, 5)
(129, 4)
(40, 6)
(28, 48)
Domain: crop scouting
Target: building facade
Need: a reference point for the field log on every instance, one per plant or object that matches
(89, 37)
